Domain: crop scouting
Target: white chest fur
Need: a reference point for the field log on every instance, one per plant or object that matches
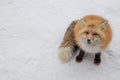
(89, 48)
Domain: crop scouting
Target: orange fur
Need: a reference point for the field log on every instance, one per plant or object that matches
(94, 21)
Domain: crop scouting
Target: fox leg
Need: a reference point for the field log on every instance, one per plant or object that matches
(68, 45)
(97, 58)
(79, 58)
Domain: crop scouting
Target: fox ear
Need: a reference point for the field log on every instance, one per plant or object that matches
(82, 22)
(104, 25)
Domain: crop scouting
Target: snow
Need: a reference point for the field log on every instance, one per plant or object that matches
(32, 30)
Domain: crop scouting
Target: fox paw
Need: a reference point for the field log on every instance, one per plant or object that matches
(97, 61)
(79, 59)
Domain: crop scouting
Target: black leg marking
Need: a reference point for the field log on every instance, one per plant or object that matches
(97, 59)
(79, 58)
(76, 48)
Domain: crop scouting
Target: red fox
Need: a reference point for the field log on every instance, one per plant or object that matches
(91, 34)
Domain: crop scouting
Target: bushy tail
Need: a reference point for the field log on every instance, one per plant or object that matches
(67, 47)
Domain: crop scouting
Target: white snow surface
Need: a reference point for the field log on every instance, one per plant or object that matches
(32, 30)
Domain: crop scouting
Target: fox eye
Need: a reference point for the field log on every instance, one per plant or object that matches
(95, 34)
(86, 32)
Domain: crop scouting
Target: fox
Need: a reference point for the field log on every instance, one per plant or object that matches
(91, 34)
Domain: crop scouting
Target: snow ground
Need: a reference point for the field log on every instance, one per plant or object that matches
(32, 30)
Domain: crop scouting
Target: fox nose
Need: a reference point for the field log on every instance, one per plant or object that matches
(89, 41)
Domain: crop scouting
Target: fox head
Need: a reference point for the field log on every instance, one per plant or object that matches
(91, 34)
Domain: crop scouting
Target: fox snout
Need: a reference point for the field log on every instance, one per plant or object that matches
(89, 41)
